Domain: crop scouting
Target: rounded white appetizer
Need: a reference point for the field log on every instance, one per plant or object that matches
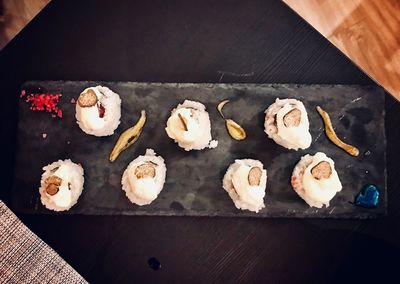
(286, 122)
(98, 111)
(315, 180)
(189, 125)
(144, 178)
(61, 185)
(245, 181)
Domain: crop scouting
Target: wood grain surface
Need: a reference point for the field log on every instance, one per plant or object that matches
(255, 41)
(367, 31)
(15, 15)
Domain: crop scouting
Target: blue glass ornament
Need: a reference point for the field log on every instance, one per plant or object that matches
(368, 196)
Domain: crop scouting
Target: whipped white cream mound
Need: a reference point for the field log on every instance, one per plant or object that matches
(315, 180)
(245, 181)
(61, 185)
(98, 111)
(144, 178)
(189, 125)
(286, 122)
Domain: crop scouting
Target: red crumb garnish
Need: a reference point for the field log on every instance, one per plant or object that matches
(44, 102)
(44, 135)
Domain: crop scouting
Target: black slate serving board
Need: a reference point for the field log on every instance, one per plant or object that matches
(193, 185)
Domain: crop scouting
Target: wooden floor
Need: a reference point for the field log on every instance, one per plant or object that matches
(367, 31)
(15, 14)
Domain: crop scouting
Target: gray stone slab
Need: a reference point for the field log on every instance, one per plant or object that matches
(193, 185)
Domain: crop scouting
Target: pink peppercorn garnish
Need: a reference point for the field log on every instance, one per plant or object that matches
(44, 102)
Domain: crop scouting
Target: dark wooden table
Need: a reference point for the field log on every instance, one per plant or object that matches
(196, 41)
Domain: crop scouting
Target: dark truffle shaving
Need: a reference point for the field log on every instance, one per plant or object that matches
(54, 170)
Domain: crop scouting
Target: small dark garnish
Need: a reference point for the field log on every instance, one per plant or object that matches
(101, 109)
(54, 170)
(154, 263)
(183, 122)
